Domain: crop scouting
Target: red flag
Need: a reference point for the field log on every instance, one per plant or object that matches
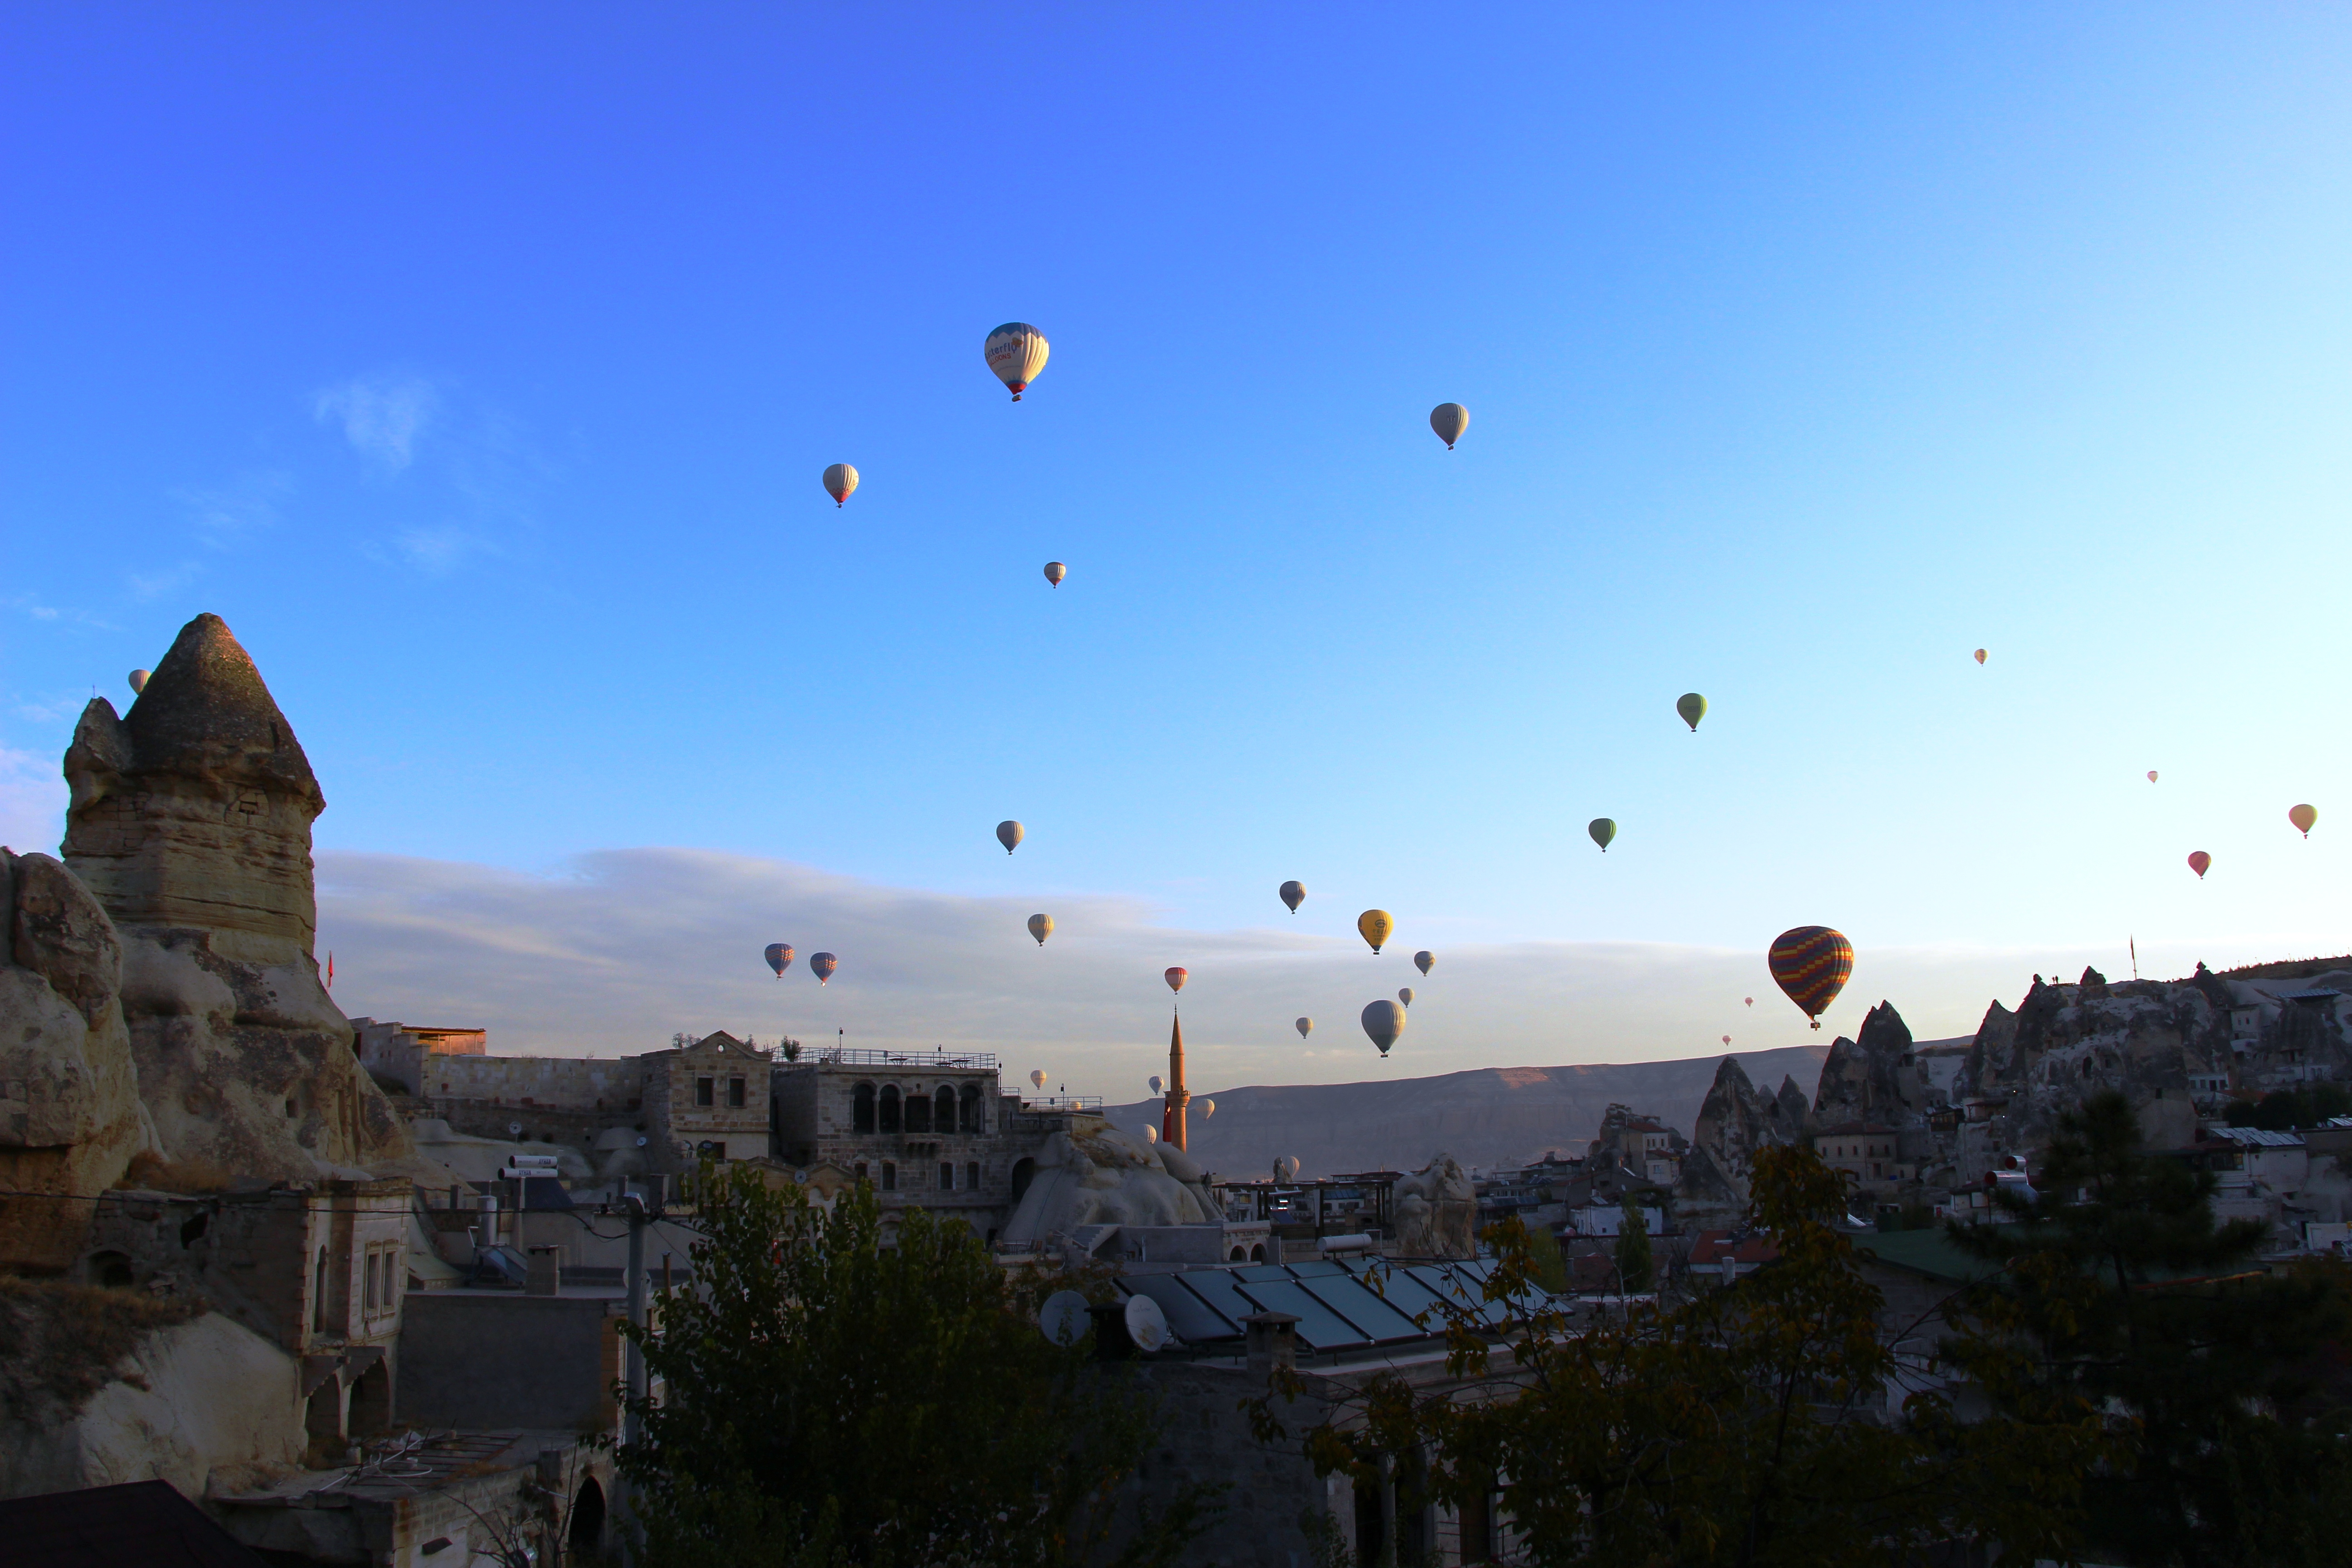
(331, 969)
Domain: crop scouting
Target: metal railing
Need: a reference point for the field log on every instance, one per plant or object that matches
(863, 1057)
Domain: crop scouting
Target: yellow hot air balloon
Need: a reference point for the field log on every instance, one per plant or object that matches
(1980, 656)
(138, 682)
(1016, 352)
(840, 482)
(1375, 925)
(1038, 1077)
(1041, 927)
(1449, 420)
(2303, 816)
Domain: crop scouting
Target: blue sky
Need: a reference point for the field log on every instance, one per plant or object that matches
(479, 369)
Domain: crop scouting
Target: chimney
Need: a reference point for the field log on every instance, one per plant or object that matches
(546, 1276)
(1271, 1342)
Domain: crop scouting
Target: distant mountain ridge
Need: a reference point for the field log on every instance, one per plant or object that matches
(1487, 1117)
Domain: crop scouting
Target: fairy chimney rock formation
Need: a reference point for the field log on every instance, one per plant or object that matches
(1868, 1079)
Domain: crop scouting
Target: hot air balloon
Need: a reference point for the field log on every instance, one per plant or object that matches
(1751, 1000)
(1156, 1084)
(1055, 571)
(1150, 1134)
(1383, 1021)
(1603, 832)
(1693, 708)
(1016, 352)
(780, 957)
(1980, 656)
(821, 965)
(138, 682)
(840, 482)
(1176, 978)
(1811, 964)
(1405, 995)
(1009, 835)
(1041, 927)
(1305, 1027)
(1449, 420)
(2151, 775)
(1375, 926)
(1726, 1039)
(1294, 894)
(1037, 1079)
(1208, 1108)
(2303, 816)
(1286, 1168)
(2197, 862)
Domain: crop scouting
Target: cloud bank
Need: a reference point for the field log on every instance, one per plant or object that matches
(625, 947)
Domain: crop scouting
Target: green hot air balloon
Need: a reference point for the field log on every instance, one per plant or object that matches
(1693, 708)
(1603, 831)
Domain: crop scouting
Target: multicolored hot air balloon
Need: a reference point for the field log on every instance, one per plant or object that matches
(1294, 894)
(1811, 964)
(840, 483)
(1305, 1027)
(1016, 352)
(1383, 1021)
(1009, 835)
(138, 682)
(1980, 656)
(1405, 995)
(1425, 961)
(1374, 926)
(780, 957)
(1037, 1079)
(2198, 861)
(1041, 927)
(1603, 832)
(1693, 708)
(1449, 420)
(1055, 571)
(1176, 978)
(821, 965)
(2303, 816)
(2151, 775)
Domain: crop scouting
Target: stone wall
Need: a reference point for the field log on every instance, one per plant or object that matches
(614, 1084)
(481, 1359)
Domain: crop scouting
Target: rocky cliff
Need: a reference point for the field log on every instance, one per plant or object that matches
(1734, 1122)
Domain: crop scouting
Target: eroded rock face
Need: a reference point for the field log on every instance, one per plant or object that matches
(190, 820)
(70, 1117)
(1097, 1174)
(1868, 1079)
(1733, 1122)
(1437, 1211)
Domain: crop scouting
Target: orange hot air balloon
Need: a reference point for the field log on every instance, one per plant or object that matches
(1811, 964)
(2303, 816)
(2197, 862)
(1374, 926)
(1176, 978)
(840, 482)
(1980, 656)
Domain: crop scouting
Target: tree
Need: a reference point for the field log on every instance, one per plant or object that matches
(2119, 1293)
(789, 1049)
(1633, 1247)
(1741, 1425)
(834, 1397)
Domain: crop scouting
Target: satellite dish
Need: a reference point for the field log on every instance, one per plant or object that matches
(641, 1141)
(514, 1129)
(1147, 1325)
(1064, 1317)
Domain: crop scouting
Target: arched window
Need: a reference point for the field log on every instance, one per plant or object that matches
(861, 1109)
(944, 1117)
(1236, 1256)
(971, 1122)
(889, 1174)
(1257, 1253)
(918, 1111)
(888, 1118)
(861, 1169)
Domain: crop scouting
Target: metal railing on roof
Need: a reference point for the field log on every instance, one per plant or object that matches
(864, 1057)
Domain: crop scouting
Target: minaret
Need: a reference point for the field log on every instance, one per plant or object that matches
(1172, 1120)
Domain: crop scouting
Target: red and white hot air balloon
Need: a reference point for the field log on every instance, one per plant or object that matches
(1176, 978)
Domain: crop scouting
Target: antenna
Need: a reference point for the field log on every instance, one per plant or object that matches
(1064, 1317)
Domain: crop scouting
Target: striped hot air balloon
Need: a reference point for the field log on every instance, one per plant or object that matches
(1016, 352)
(780, 957)
(821, 965)
(1812, 963)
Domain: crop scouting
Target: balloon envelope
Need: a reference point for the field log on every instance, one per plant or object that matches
(1424, 960)
(1294, 894)
(1374, 926)
(1603, 832)
(1055, 571)
(780, 957)
(821, 965)
(1208, 1108)
(1016, 352)
(138, 682)
(1980, 656)
(840, 482)
(1383, 1021)
(1726, 1039)
(1009, 835)
(1038, 1077)
(1305, 1027)
(1449, 420)
(1751, 1000)
(1691, 707)
(1041, 927)
(2197, 862)
(1176, 978)
(1156, 1084)
(1151, 1135)
(2151, 775)
(1404, 995)
(2303, 816)
(1811, 964)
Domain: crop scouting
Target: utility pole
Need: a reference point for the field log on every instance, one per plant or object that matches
(633, 1205)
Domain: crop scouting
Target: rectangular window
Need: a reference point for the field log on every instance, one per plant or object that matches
(971, 1176)
(371, 1282)
(703, 1091)
(735, 1093)
(947, 1177)
(861, 1169)
(889, 1176)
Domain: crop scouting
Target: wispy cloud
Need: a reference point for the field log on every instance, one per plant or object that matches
(226, 515)
(442, 549)
(32, 802)
(382, 416)
(150, 585)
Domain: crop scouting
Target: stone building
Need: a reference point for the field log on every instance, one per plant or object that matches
(928, 1129)
(396, 1053)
